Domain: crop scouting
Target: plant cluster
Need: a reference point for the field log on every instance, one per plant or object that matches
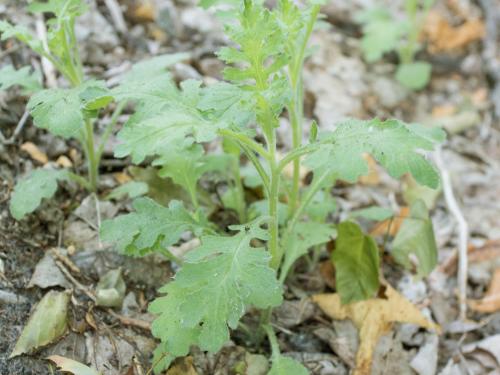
(244, 265)
(383, 32)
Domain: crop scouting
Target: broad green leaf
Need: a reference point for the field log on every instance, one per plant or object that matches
(356, 261)
(305, 235)
(394, 144)
(216, 284)
(381, 33)
(185, 166)
(30, 190)
(150, 226)
(47, 323)
(375, 213)
(149, 81)
(414, 245)
(60, 111)
(414, 75)
(261, 208)
(132, 189)
(287, 366)
(165, 132)
(71, 366)
(30, 80)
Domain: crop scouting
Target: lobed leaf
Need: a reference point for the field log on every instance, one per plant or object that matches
(30, 190)
(414, 75)
(62, 111)
(212, 290)
(150, 226)
(392, 143)
(356, 261)
(30, 80)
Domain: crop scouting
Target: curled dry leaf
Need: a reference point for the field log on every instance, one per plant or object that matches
(373, 318)
(69, 365)
(391, 226)
(491, 301)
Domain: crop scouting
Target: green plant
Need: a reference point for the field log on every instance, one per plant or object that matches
(229, 272)
(66, 112)
(383, 33)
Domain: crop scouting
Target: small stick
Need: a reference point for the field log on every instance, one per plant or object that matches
(463, 228)
(47, 66)
(116, 15)
(17, 130)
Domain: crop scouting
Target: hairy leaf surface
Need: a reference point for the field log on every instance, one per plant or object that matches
(356, 261)
(392, 143)
(149, 226)
(30, 190)
(212, 290)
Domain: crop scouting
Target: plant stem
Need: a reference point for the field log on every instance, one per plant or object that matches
(241, 138)
(296, 108)
(273, 341)
(92, 162)
(238, 185)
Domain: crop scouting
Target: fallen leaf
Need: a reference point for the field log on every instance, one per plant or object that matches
(46, 324)
(47, 274)
(328, 272)
(390, 226)
(142, 11)
(491, 301)
(71, 366)
(34, 152)
(182, 366)
(122, 177)
(373, 317)
(486, 352)
(444, 110)
(64, 161)
(444, 37)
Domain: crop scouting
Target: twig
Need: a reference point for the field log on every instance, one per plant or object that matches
(47, 66)
(463, 228)
(17, 130)
(116, 15)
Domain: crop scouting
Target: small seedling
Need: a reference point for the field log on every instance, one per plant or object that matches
(246, 264)
(383, 33)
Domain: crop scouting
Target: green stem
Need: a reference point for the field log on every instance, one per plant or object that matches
(93, 166)
(296, 108)
(258, 166)
(295, 155)
(79, 180)
(241, 138)
(273, 341)
(238, 185)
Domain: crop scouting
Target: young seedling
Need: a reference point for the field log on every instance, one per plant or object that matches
(66, 112)
(384, 33)
(246, 265)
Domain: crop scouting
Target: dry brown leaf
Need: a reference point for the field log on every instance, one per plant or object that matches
(328, 272)
(182, 366)
(34, 152)
(373, 318)
(444, 37)
(491, 301)
(122, 177)
(372, 178)
(391, 226)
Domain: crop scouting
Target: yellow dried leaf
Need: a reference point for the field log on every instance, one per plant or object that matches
(182, 366)
(490, 303)
(372, 178)
(373, 318)
(34, 152)
(64, 161)
(122, 177)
